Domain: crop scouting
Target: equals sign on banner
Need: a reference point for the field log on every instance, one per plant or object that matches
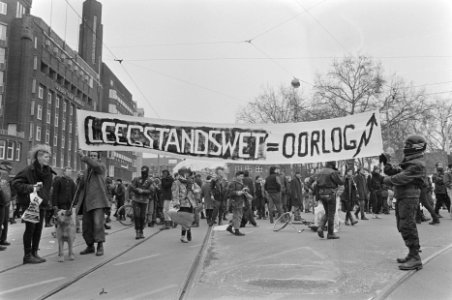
(272, 146)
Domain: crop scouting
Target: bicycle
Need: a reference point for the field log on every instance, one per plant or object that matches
(289, 218)
(125, 214)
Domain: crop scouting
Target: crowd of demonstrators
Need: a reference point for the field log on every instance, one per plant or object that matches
(92, 201)
(37, 177)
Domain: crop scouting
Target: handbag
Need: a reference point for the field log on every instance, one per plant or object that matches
(31, 214)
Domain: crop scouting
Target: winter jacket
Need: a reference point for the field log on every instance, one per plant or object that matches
(165, 191)
(183, 193)
(361, 187)
(24, 181)
(207, 195)
(238, 201)
(248, 182)
(408, 178)
(375, 182)
(273, 183)
(296, 192)
(350, 190)
(328, 180)
(63, 192)
(5, 192)
(219, 187)
(141, 189)
(447, 179)
(120, 193)
(440, 185)
(92, 189)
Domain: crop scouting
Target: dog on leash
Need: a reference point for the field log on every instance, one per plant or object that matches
(65, 232)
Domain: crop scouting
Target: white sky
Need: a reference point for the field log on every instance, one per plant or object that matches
(184, 54)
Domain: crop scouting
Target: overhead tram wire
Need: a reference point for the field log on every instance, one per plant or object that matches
(115, 58)
(235, 99)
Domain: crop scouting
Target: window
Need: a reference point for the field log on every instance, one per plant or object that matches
(35, 63)
(33, 86)
(54, 160)
(10, 151)
(70, 126)
(57, 102)
(56, 120)
(63, 124)
(259, 169)
(39, 114)
(3, 8)
(2, 55)
(49, 98)
(18, 151)
(20, 11)
(63, 142)
(32, 108)
(2, 149)
(69, 144)
(71, 110)
(35, 41)
(48, 117)
(38, 133)
(62, 161)
(3, 28)
(47, 138)
(1, 77)
(69, 162)
(31, 131)
(64, 106)
(55, 140)
(40, 92)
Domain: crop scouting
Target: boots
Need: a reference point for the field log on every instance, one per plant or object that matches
(413, 263)
(30, 259)
(141, 234)
(35, 255)
(354, 221)
(230, 229)
(332, 236)
(434, 221)
(166, 226)
(137, 234)
(89, 249)
(100, 249)
(403, 260)
(238, 233)
(189, 235)
(107, 226)
(320, 228)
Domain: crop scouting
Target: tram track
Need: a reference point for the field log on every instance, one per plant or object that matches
(56, 252)
(386, 292)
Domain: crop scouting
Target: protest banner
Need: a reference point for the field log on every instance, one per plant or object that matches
(343, 138)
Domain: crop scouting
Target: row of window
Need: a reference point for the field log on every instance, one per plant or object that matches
(10, 150)
(38, 137)
(20, 9)
(257, 169)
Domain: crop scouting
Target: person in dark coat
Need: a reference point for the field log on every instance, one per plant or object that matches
(348, 197)
(219, 188)
(260, 197)
(141, 188)
(63, 190)
(237, 195)
(35, 177)
(440, 189)
(362, 193)
(296, 196)
(166, 195)
(120, 194)
(375, 188)
(92, 201)
(5, 202)
(408, 178)
(273, 187)
(328, 181)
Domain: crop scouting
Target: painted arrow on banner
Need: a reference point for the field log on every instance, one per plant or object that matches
(364, 137)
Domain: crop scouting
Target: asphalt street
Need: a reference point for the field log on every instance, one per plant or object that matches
(261, 265)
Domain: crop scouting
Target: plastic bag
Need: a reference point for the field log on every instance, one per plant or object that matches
(31, 214)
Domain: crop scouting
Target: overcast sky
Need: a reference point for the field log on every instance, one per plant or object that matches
(189, 59)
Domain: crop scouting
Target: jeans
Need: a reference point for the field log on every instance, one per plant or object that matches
(218, 210)
(32, 234)
(139, 215)
(329, 204)
(93, 226)
(150, 213)
(274, 203)
(440, 200)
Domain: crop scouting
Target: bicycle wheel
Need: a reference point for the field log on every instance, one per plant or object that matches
(125, 214)
(282, 221)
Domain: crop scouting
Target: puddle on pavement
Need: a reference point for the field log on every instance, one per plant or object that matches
(289, 283)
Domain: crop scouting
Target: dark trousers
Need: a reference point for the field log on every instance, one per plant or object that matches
(49, 215)
(209, 213)
(93, 226)
(425, 200)
(260, 205)
(406, 210)
(329, 204)
(360, 208)
(139, 215)
(32, 234)
(348, 211)
(119, 203)
(375, 197)
(440, 200)
(4, 216)
(218, 210)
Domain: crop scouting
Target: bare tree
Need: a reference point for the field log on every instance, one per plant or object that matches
(353, 85)
(271, 106)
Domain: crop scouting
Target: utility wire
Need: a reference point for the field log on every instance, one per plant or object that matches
(116, 59)
(238, 100)
(178, 44)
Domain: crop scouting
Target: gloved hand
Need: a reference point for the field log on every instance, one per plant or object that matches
(384, 158)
